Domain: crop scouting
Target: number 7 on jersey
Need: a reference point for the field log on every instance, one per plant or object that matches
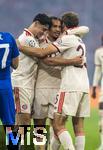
(5, 55)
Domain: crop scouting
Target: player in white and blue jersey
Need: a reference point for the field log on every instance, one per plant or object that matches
(8, 58)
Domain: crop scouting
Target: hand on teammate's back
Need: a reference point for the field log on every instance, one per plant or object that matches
(78, 61)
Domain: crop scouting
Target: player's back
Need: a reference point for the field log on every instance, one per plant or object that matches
(7, 46)
(73, 78)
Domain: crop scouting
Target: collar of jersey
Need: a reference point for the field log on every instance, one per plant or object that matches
(47, 40)
(71, 31)
(28, 32)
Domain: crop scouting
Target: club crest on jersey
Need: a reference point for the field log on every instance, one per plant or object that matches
(32, 43)
(59, 40)
(24, 106)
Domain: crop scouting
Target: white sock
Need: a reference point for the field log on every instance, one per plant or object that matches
(51, 133)
(55, 143)
(66, 140)
(101, 125)
(101, 138)
(80, 142)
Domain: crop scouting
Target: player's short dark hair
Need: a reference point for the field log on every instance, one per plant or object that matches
(70, 19)
(55, 18)
(43, 19)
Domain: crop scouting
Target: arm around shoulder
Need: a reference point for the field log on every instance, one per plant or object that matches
(60, 61)
(38, 52)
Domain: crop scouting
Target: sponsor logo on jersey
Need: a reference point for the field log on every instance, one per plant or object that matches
(59, 40)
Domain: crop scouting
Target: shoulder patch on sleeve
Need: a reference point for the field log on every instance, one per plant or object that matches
(59, 40)
(32, 43)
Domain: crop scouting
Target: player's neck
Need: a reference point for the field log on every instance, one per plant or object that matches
(51, 38)
(32, 31)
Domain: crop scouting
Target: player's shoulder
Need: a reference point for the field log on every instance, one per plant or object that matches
(6, 34)
(6, 37)
(28, 34)
(28, 39)
(99, 51)
(70, 38)
(24, 37)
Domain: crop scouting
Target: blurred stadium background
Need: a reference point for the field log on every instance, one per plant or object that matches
(17, 14)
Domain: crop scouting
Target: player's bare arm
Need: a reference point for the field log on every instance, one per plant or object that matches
(60, 61)
(15, 63)
(38, 52)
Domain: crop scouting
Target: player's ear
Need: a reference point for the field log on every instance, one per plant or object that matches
(37, 23)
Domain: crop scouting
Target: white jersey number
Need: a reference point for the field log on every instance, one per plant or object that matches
(6, 53)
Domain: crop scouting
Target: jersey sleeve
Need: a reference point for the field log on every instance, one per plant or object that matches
(15, 50)
(97, 60)
(97, 75)
(80, 31)
(63, 43)
(98, 70)
(28, 41)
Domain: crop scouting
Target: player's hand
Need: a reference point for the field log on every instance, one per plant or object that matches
(78, 61)
(94, 92)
